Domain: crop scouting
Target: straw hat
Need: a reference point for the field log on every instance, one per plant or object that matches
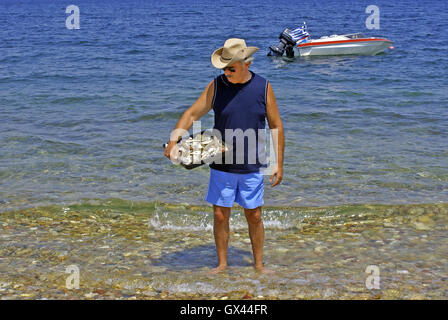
(234, 50)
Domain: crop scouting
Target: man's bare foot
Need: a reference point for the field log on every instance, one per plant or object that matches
(218, 269)
(264, 270)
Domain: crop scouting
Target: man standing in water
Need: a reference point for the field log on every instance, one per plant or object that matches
(241, 100)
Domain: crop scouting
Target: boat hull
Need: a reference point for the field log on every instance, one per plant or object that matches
(343, 47)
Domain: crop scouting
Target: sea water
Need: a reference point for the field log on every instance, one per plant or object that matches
(84, 113)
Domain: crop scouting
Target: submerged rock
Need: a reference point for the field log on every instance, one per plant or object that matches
(320, 249)
(421, 226)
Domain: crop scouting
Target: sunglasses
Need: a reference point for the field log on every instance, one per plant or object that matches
(231, 69)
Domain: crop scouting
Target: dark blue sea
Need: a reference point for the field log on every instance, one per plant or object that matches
(84, 112)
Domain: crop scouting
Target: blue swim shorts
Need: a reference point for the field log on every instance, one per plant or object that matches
(246, 189)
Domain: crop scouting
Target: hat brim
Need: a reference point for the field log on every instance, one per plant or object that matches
(220, 63)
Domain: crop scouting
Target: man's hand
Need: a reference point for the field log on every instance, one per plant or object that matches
(278, 135)
(172, 152)
(278, 174)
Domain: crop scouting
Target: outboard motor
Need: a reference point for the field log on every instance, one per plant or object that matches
(288, 40)
(286, 43)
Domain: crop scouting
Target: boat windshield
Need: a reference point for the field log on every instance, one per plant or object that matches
(358, 35)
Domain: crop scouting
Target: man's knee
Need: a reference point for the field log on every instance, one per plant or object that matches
(221, 214)
(253, 216)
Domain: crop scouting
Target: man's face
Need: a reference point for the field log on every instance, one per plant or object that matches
(236, 72)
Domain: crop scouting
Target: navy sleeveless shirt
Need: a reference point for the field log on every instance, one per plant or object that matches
(240, 117)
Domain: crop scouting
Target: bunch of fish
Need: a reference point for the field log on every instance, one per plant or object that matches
(199, 149)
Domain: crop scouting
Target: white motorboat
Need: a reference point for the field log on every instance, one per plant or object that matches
(355, 43)
(299, 43)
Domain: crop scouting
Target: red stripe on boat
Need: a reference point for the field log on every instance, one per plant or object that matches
(309, 44)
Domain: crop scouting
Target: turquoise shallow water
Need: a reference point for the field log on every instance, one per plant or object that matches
(85, 112)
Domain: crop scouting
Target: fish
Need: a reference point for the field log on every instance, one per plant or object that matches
(199, 149)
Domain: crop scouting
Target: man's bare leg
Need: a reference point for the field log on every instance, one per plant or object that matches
(256, 234)
(221, 233)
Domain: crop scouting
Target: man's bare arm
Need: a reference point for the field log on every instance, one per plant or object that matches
(202, 106)
(278, 135)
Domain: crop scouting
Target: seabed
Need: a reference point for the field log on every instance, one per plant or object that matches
(116, 249)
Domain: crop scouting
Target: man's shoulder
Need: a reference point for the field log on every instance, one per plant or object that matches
(261, 78)
(220, 77)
